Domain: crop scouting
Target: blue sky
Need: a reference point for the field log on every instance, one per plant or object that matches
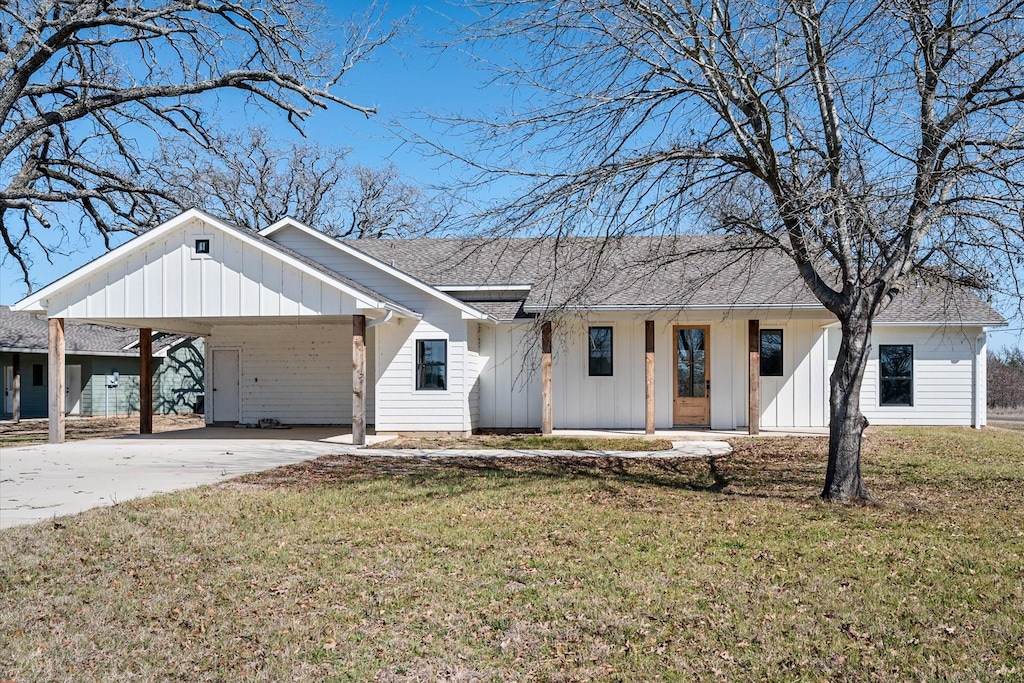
(404, 81)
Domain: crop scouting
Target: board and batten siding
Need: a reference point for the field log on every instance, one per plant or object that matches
(510, 374)
(618, 402)
(474, 366)
(298, 374)
(799, 398)
(238, 279)
(947, 378)
(366, 274)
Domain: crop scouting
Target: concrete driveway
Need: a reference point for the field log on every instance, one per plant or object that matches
(41, 482)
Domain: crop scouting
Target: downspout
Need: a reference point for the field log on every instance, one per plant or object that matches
(380, 321)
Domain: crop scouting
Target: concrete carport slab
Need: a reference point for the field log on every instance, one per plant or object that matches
(41, 482)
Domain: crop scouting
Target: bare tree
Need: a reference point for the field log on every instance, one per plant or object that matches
(253, 181)
(381, 204)
(1006, 379)
(871, 142)
(88, 84)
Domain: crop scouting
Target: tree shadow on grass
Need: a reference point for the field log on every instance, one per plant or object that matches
(741, 474)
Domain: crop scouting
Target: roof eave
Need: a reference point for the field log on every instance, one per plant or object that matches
(684, 307)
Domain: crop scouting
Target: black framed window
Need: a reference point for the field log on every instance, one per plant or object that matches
(896, 371)
(37, 375)
(432, 364)
(600, 341)
(771, 353)
(203, 246)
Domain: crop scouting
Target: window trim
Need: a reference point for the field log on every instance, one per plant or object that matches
(416, 364)
(201, 254)
(882, 378)
(611, 351)
(782, 348)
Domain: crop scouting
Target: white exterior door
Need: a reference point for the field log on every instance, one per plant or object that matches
(8, 389)
(73, 389)
(225, 385)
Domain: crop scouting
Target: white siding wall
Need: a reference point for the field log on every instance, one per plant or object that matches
(164, 280)
(800, 397)
(618, 402)
(298, 374)
(398, 405)
(474, 366)
(944, 375)
(509, 379)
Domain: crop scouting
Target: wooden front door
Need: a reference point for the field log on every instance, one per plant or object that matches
(691, 403)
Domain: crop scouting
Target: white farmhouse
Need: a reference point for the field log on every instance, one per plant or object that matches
(455, 335)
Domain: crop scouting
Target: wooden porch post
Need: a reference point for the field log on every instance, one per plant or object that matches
(16, 387)
(55, 367)
(145, 380)
(359, 380)
(546, 407)
(649, 376)
(754, 380)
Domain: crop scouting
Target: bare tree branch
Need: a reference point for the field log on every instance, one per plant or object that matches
(82, 81)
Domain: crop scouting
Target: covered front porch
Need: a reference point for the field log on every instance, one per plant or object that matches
(677, 382)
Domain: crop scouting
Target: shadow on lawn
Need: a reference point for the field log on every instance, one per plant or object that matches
(749, 472)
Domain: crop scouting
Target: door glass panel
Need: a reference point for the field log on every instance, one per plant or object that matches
(690, 355)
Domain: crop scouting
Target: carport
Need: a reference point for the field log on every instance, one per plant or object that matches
(199, 276)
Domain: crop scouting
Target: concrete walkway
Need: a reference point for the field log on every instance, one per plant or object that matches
(41, 482)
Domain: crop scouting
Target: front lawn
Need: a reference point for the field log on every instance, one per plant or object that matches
(420, 569)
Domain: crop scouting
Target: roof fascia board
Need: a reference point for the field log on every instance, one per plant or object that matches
(484, 288)
(469, 312)
(68, 352)
(941, 323)
(701, 307)
(34, 301)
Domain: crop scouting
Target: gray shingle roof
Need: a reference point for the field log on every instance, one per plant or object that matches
(24, 331)
(669, 271)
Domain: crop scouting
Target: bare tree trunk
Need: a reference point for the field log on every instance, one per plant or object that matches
(847, 423)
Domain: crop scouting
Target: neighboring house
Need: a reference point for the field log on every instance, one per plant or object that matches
(467, 334)
(101, 368)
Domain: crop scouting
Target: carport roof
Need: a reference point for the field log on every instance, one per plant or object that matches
(23, 332)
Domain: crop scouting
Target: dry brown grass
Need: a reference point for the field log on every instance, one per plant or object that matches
(35, 430)
(420, 569)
